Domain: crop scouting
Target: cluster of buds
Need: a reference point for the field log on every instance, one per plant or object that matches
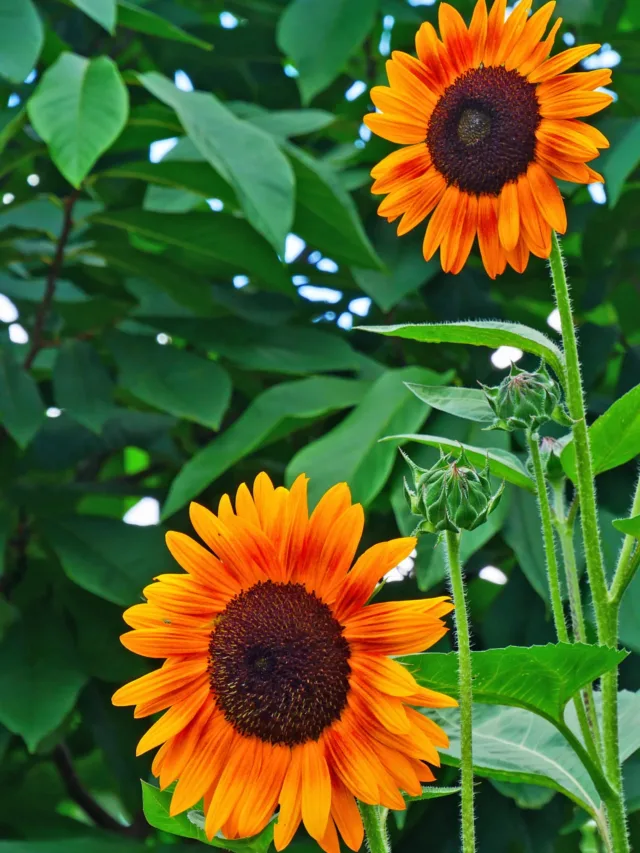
(451, 495)
(526, 400)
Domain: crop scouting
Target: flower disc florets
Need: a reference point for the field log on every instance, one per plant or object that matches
(525, 400)
(451, 495)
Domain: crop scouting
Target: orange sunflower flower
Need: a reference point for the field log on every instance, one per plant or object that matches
(278, 679)
(489, 120)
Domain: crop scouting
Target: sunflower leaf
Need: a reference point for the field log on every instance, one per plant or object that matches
(431, 792)
(480, 333)
(541, 679)
(468, 403)
(190, 824)
(501, 463)
(630, 526)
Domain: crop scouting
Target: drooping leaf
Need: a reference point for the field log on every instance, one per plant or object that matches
(21, 38)
(320, 35)
(190, 824)
(79, 109)
(108, 557)
(502, 464)
(216, 236)
(134, 17)
(102, 11)
(468, 403)
(614, 436)
(541, 679)
(247, 158)
(351, 451)
(630, 526)
(480, 333)
(277, 411)
(40, 677)
(21, 408)
(178, 382)
(82, 386)
(326, 216)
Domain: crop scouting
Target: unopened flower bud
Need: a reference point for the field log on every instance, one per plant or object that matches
(451, 495)
(550, 450)
(526, 400)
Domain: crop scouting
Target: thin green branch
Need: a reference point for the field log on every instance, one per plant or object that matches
(628, 560)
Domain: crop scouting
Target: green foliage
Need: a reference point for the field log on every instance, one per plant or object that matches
(105, 255)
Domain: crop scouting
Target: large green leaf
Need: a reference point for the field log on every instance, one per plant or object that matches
(272, 414)
(21, 38)
(21, 408)
(541, 679)
(326, 216)
(284, 123)
(351, 451)
(299, 350)
(502, 464)
(173, 380)
(614, 437)
(102, 11)
(468, 403)
(620, 160)
(522, 534)
(211, 235)
(79, 109)
(40, 678)
(480, 333)
(247, 158)
(82, 386)
(320, 35)
(190, 824)
(108, 557)
(134, 17)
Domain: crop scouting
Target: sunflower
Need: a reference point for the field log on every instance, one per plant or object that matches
(489, 121)
(278, 682)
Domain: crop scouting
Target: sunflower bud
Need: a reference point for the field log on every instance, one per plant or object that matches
(451, 495)
(550, 450)
(526, 400)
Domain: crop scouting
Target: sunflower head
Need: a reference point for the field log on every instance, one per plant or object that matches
(525, 400)
(488, 121)
(452, 495)
(278, 684)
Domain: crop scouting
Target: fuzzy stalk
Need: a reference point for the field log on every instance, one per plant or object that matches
(374, 819)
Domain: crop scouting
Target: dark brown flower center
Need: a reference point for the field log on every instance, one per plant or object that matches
(481, 134)
(279, 664)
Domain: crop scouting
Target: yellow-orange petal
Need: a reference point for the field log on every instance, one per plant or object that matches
(173, 674)
(577, 104)
(548, 198)
(432, 190)
(177, 717)
(561, 62)
(536, 229)
(440, 220)
(530, 38)
(453, 234)
(491, 251)
(478, 32)
(467, 234)
(455, 36)
(346, 814)
(495, 29)
(396, 128)
(162, 643)
(513, 31)
(518, 258)
(316, 788)
(239, 768)
(509, 216)
(200, 563)
(290, 800)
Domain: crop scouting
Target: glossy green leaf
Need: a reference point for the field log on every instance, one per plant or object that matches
(319, 36)
(247, 158)
(82, 386)
(352, 451)
(178, 382)
(21, 408)
(630, 526)
(198, 178)
(522, 534)
(79, 109)
(501, 463)
(541, 679)
(274, 413)
(480, 333)
(468, 403)
(217, 237)
(107, 557)
(620, 160)
(21, 38)
(190, 824)
(135, 17)
(40, 678)
(326, 216)
(284, 123)
(614, 436)
(102, 11)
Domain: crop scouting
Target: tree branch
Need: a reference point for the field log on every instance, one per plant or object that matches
(52, 278)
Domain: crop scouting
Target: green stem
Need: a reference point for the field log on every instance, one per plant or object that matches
(549, 542)
(585, 707)
(606, 630)
(627, 562)
(465, 690)
(374, 819)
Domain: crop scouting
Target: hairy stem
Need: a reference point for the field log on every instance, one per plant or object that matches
(374, 819)
(606, 630)
(544, 508)
(465, 689)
